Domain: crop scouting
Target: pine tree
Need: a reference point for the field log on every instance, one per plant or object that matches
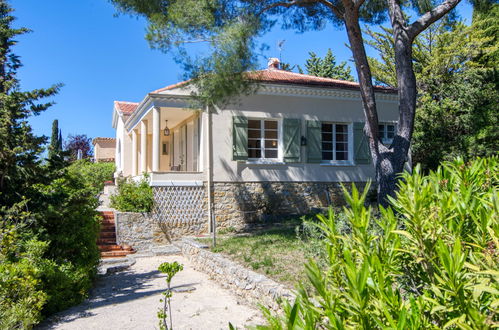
(20, 148)
(327, 67)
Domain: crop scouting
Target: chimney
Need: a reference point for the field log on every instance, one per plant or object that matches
(273, 64)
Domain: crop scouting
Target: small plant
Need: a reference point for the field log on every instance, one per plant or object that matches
(133, 196)
(170, 269)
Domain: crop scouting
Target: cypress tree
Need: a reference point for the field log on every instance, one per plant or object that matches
(54, 139)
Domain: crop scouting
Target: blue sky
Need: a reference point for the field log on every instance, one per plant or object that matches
(101, 58)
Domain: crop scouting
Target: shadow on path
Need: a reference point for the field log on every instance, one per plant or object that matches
(111, 290)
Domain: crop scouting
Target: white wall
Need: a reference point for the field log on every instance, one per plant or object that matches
(303, 107)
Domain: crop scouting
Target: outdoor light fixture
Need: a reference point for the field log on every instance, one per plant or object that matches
(167, 130)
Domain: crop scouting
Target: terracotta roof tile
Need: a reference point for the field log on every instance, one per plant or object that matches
(126, 108)
(286, 77)
(179, 84)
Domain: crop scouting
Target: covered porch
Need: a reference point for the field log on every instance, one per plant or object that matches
(166, 142)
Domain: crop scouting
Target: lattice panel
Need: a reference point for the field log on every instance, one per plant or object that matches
(180, 205)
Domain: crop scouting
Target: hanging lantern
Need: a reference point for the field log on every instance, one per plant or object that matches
(166, 131)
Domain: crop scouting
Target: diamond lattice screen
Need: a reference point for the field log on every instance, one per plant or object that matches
(179, 205)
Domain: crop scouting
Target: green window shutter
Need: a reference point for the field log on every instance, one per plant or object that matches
(239, 138)
(314, 141)
(362, 154)
(291, 140)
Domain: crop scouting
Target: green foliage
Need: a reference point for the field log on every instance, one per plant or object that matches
(327, 67)
(21, 299)
(66, 217)
(48, 222)
(132, 196)
(170, 269)
(428, 262)
(94, 174)
(456, 69)
(20, 149)
(55, 147)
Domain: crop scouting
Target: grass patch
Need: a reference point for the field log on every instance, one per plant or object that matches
(278, 252)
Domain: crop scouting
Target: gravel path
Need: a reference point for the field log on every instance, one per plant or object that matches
(130, 300)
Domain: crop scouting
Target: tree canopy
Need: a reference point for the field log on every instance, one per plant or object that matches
(456, 69)
(327, 67)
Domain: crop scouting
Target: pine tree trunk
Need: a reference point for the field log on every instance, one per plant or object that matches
(388, 161)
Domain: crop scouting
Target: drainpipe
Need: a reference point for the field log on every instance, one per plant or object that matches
(211, 214)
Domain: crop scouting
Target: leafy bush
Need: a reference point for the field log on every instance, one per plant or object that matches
(429, 261)
(21, 297)
(133, 196)
(67, 219)
(94, 174)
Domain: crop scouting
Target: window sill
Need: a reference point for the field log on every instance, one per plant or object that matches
(265, 162)
(346, 164)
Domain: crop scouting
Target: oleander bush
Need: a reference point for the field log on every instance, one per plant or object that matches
(133, 196)
(430, 261)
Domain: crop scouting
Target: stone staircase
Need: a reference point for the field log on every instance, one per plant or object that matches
(107, 238)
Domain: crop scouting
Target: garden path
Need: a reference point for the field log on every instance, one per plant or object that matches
(130, 300)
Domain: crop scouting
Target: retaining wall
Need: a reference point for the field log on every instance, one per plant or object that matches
(252, 287)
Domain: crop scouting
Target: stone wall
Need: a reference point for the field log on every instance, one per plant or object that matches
(251, 287)
(134, 229)
(239, 204)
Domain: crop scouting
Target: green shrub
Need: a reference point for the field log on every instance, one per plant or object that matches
(21, 296)
(67, 219)
(94, 174)
(132, 196)
(430, 261)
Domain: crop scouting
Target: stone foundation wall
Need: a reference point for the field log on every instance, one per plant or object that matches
(239, 204)
(251, 287)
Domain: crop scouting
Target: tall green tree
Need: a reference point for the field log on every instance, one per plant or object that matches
(327, 67)
(20, 148)
(55, 146)
(230, 29)
(456, 69)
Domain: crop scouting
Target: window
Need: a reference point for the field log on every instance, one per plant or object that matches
(335, 142)
(386, 133)
(263, 139)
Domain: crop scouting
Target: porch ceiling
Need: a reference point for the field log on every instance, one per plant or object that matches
(174, 116)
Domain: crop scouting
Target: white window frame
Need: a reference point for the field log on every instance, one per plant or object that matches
(384, 139)
(263, 160)
(349, 161)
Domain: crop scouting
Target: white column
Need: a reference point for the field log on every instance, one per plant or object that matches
(134, 153)
(143, 146)
(156, 130)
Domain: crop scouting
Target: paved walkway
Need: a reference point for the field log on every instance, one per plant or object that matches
(130, 300)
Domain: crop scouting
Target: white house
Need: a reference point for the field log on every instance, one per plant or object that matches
(283, 149)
